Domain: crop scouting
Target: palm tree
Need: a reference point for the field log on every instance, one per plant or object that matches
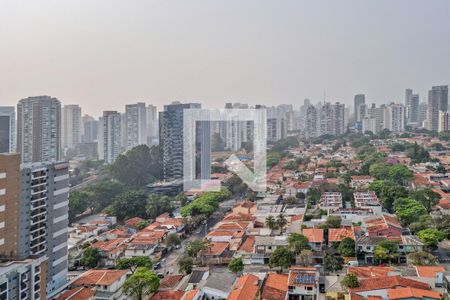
(271, 223)
(281, 222)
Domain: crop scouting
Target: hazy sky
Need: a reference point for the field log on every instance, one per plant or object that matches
(103, 54)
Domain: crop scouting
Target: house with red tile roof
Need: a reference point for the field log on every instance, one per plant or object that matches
(168, 295)
(133, 222)
(275, 286)
(371, 271)
(361, 181)
(410, 293)
(216, 253)
(107, 284)
(111, 250)
(78, 293)
(380, 286)
(246, 287)
(245, 207)
(336, 235)
(315, 237)
(384, 225)
(435, 272)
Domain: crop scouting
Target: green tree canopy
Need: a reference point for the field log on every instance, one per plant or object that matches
(157, 205)
(91, 257)
(431, 237)
(408, 210)
(347, 247)
(101, 194)
(386, 250)
(427, 197)
(206, 204)
(236, 265)
(282, 258)
(132, 263)
(185, 264)
(142, 283)
(138, 166)
(333, 263)
(298, 242)
(350, 281)
(130, 204)
(78, 203)
(194, 247)
(172, 240)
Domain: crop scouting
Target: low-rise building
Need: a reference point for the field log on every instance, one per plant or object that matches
(330, 200)
(368, 199)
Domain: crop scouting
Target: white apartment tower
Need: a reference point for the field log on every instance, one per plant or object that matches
(70, 126)
(136, 125)
(39, 129)
(111, 136)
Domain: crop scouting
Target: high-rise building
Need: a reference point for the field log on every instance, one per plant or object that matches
(110, 143)
(412, 107)
(70, 126)
(369, 124)
(311, 121)
(339, 118)
(7, 129)
(34, 218)
(39, 129)
(443, 121)
(276, 122)
(152, 125)
(423, 107)
(437, 101)
(136, 125)
(359, 111)
(171, 138)
(90, 129)
(396, 117)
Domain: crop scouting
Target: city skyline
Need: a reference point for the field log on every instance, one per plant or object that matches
(257, 58)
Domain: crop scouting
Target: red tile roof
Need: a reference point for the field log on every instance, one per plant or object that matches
(248, 244)
(314, 235)
(389, 282)
(367, 272)
(78, 293)
(407, 293)
(215, 248)
(168, 295)
(275, 286)
(429, 271)
(99, 277)
(170, 281)
(133, 222)
(245, 288)
(338, 234)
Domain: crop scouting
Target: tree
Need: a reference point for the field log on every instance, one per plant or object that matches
(236, 265)
(377, 186)
(305, 257)
(141, 225)
(424, 222)
(347, 247)
(400, 174)
(386, 250)
(297, 242)
(379, 170)
(271, 222)
(431, 237)
(427, 197)
(205, 204)
(91, 257)
(138, 166)
(333, 222)
(350, 281)
(421, 258)
(281, 222)
(157, 205)
(132, 263)
(142, 283)
(185, 264)
(78, 203)
(172, 240)
(390, 193)
(101, 194)
(408, 210)
(282, 258)
(194, 247)
(333, 263)
(130, 204)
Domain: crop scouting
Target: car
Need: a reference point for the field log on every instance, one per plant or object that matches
(157, 266)
(160, 275)
(177, 246)
(199, 231)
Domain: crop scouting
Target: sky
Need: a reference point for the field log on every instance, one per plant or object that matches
(103, 54)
